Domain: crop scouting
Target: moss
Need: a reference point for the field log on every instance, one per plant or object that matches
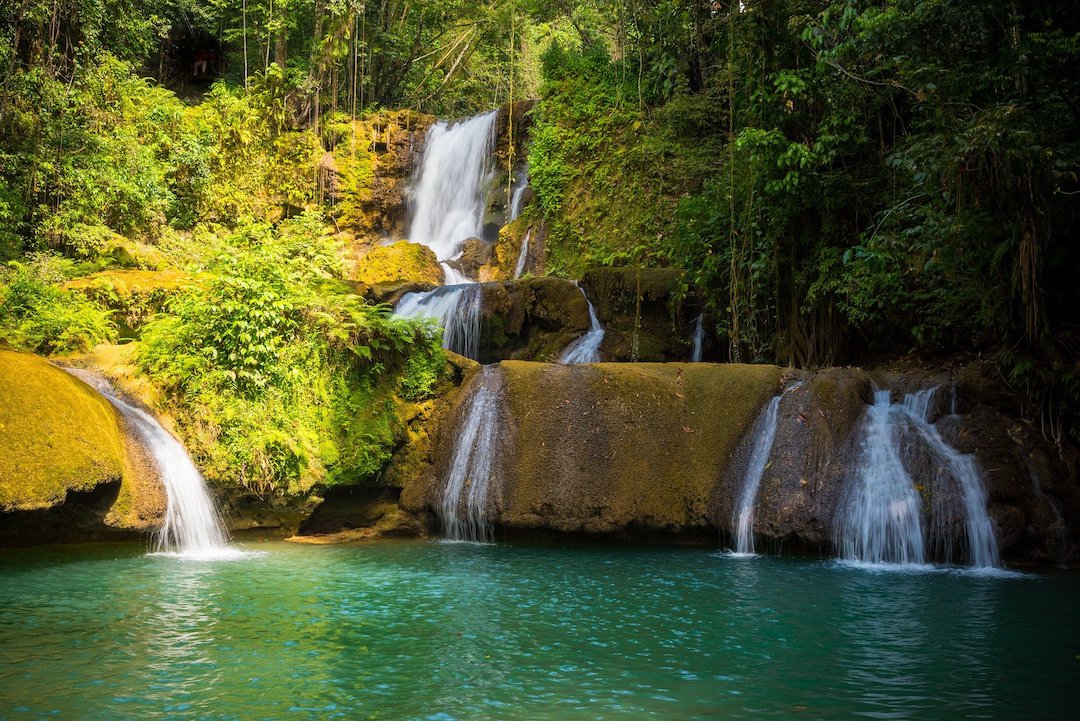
(401, 262)
(613, 446)
(373, 159)
(56, 435)
(132, 295)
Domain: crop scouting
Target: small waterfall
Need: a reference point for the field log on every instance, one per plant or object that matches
(981, 542)
(765, 433)
(523, 255)
(517, 196)
(192, 527)
(448, 200)
(586, 349)
(880, 520)
(463, 506)
(699, 339)
(456, 308)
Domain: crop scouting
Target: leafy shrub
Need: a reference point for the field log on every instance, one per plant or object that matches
(37, 315)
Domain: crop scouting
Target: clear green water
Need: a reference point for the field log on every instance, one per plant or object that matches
(437, 631)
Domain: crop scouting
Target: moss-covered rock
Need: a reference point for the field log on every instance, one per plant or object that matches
(56, 435)
(505, 252)
(373, 160)
(399, 263)
(614, 449)
(62, 444)
(133, 295)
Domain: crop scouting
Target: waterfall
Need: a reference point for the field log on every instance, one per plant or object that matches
(981, 542)
(448, 200)
(523, 255)
(586, 349)
(765, 433)
(517, 196)
(457, 309)
(880, 519)
(192, 527)
(699, 340)
(463, 506)
(448, 209)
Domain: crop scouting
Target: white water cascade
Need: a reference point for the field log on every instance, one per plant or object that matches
(448, 209)
(765, 433)
(586, 349)
(457, 310)
(192, 527)
(981, 543)
(523, 255)
(462, 509)
(517, 196)
(698, 340)
(880, 520)
(448, 201)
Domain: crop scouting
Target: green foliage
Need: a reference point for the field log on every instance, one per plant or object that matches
(37, 315)
(282, 380)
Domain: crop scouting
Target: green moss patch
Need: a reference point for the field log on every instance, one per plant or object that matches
(402, 262)
(615, 446)
(56, 435)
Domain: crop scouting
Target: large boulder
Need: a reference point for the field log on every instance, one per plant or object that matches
(612, 449)
(401, 263)
(68, 467)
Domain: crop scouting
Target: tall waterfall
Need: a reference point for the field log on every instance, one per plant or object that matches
(463, 506)
(192, 527)
(586, 349)
(765, 435)
(448, 201)
(523, 255)
(698, 340)
(880, 520)
(456, 308)
(448, 209)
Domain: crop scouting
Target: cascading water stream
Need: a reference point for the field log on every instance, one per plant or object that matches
(698, 340)
(462, 508)
(880, 519)
(448, 209)
(517, 196)
(448, 202)
(586, 349)
(192, 527)
(523, 255)
(981, 542)
(765, 433)
(456, 308)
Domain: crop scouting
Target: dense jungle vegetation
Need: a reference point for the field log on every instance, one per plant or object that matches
(842, 182)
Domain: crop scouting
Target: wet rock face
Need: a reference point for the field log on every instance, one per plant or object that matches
(475, 253)
(531, 319)
(613, 449)
(815, 453)
(1034, 495)
(633, 450)
(639, 313)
